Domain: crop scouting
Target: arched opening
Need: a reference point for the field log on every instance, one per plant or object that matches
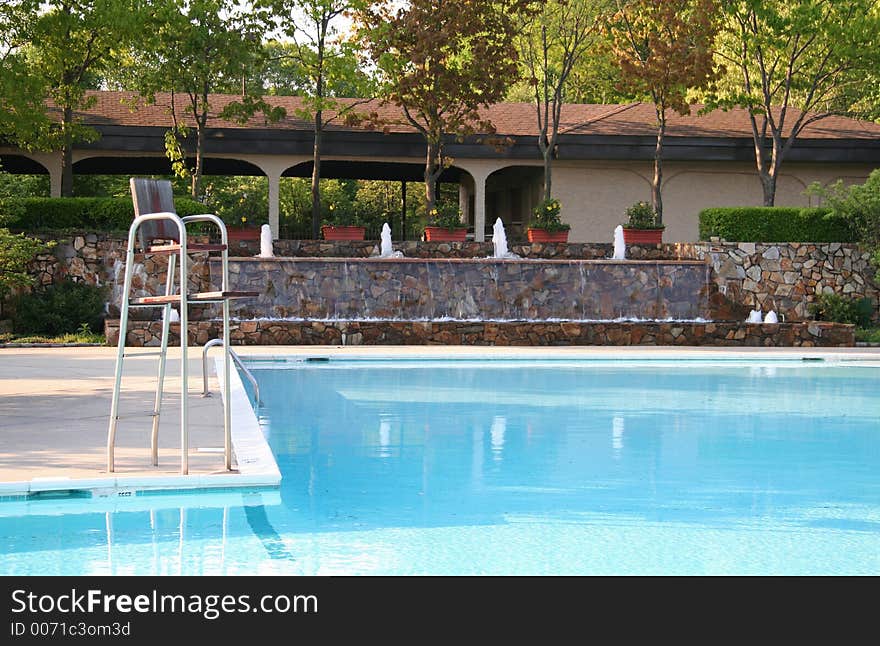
(511, 194)
(234, 189)
(22, 176)
(391, 192)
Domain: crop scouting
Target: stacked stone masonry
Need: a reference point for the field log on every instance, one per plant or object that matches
(806, 334)
(784, 277)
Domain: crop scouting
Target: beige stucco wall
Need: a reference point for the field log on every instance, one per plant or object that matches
(595, 195)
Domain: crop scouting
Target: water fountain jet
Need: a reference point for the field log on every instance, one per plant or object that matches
(386, 249)
(619, 244)
(499, 241)
(266, 250)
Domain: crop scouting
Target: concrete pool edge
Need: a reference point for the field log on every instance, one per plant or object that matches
(256, 467)
(863, 356)
(256, 462)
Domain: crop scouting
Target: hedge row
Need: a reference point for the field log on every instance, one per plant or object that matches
(34, 214)
(775, 224)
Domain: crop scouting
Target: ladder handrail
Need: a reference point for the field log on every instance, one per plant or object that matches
(123, 330)
(238, 362)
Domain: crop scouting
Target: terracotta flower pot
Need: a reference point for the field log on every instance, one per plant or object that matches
(542, 235)
(441, 234)
(342, 232)
(642, 236)
(239, 233)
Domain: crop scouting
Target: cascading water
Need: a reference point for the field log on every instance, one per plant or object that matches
(483, 289)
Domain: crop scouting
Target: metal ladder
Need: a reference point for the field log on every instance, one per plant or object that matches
(159, 193)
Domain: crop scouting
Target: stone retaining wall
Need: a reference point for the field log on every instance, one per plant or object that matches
(414, 289)
(785, 277)
(807, 334)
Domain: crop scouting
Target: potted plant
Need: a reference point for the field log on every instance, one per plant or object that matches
(445, 225)
(546, 225)
(642, 226)
(241, 231)
(342, 224)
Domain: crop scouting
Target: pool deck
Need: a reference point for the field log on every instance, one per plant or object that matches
(55, 402)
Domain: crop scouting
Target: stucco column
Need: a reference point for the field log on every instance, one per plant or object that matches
(479, 208)
(274, 184)
(54, 168)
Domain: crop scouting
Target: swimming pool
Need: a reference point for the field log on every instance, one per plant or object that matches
(514, 467)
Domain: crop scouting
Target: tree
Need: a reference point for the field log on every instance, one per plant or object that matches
(665, 49)
(23, 119)
(322, 61)
(72, 43)
(199, 47)
(795, 63)
(551, 45)
(441, 62)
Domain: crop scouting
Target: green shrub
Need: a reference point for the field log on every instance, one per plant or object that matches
(860, 206)
(868, 335)
(775, 224)
(33, 214)
(839, 309)
(546, 216)
(59, 309)
(642, 215)
(445, 215)
(16, 252)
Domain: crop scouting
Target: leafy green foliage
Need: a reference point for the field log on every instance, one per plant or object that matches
(71, 44)
(194, 48)
(774, 224)
(23, 119)
(23, 185)
(550, 44)
(858, 205)
(59, 309)
(546, 216)
(665, 49)
(83, 335)
(792, 63)
(446, 215)
(642, 215)
(77, 213)
(323, 60)
(16, 252)
(840, 309)
(868, 335)
(442, 62)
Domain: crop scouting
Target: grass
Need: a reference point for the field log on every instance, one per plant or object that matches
(75, 337)
(868, 334)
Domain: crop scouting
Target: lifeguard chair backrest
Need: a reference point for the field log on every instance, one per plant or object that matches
(153, 196)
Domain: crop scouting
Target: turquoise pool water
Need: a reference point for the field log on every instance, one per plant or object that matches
(504, 467)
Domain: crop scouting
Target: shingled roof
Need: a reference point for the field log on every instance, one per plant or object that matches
(511, 119)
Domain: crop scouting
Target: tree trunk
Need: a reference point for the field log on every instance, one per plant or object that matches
(196, 185)
(67, 154)
(548, 170)
(431, 177)
(768, 184)
(316, 175)
(657, 182)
